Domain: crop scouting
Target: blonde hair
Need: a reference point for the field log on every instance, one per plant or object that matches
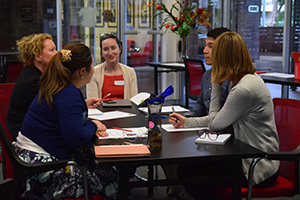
(31, 45)
(61, 68)
(230, 58)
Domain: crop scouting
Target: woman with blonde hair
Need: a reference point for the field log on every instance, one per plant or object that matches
(36, 52)
(248, 110)
(57, 127)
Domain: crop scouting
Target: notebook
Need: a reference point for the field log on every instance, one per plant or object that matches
(117, 103)
(221, 140)
(114, 151)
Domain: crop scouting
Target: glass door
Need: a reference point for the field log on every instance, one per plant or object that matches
(140, 43)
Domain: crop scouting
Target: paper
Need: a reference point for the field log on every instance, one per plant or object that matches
(136, 132)
(112, 115)
(94, 111)
(279, 75)
(167, 109)
(140, 98)
(221, 140)
(174, 64)
(170, 128)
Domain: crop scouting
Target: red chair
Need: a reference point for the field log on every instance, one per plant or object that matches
(194, 70)
(130, 44)
(13, 70)
(287, 114)
(139, 58)
(5, 93)
(16, 169)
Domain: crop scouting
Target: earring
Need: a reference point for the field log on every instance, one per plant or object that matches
(82, 77)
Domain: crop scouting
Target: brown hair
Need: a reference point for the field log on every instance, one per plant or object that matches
(112, 35)
(230, 58)
(31, 45)
(59, 71)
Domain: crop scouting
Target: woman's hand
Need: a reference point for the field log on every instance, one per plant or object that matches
(176, 120)
(93, 102)
(101, 129)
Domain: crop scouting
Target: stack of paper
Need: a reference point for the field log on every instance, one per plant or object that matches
(117, 133)
(111, 115)
(166, 109)
(221, 140)
(170, 128)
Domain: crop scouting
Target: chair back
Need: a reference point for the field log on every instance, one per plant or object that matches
(7, 149)
(13, 70)
(194, 72)
(5, 93)
(287, 114)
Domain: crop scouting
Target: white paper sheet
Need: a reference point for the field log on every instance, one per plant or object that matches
(140, 97)
(279, 75)
(170, 128)
(94, 111)
(167, 109)
(136, 132)
(112, 115)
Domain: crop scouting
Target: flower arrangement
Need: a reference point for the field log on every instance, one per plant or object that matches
(187, 17)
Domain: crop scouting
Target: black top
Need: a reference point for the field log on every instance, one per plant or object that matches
(26, 88)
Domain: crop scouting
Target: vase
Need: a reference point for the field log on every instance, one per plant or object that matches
(183, 47)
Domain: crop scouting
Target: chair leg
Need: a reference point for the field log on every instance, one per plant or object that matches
(84, 177)
(250, 177)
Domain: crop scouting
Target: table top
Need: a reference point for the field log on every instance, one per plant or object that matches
(280, 80)
(177, 147)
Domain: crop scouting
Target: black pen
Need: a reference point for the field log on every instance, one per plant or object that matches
(174, 112)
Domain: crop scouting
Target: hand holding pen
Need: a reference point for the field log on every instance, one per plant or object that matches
(101, 100)
(176, 119)
(93, 102)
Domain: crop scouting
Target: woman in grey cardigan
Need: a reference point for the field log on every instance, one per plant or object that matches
(248, 109)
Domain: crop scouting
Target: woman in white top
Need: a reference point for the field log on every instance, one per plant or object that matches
(111, 76)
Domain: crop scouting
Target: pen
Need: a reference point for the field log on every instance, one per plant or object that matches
(174, 112)
(121, 129)
(104, 97)
(173, 109)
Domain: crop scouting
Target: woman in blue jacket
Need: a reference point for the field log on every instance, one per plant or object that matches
(57, 127)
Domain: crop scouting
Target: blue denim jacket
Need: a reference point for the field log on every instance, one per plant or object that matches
(202, 106)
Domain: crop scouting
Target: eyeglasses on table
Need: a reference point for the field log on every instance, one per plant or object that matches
(206, 133)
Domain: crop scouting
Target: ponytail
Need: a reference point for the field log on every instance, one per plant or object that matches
(59, 71)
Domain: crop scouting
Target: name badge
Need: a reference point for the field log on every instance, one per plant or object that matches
(119, 82)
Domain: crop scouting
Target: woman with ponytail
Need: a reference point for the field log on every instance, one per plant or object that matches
(56, 127)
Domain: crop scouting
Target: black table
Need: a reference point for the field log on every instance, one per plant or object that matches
(284, 82)
(176, 148)
(164, 65)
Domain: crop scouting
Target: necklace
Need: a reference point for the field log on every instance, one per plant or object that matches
(112, 72)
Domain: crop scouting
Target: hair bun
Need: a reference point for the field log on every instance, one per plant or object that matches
(66, 55)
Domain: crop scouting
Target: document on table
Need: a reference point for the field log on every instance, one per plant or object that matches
(166, 109)
(174, 64)
(279, 75)
(94, 111)
(170, 128)
(112, 115)
(135, 132)
(221, 140)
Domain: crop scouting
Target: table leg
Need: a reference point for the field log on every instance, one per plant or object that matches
(155, 81)
(237, 181)
(150, 178)
(285, 91)
(123, 183)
